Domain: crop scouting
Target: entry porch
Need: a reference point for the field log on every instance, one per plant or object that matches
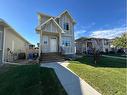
(50, 42)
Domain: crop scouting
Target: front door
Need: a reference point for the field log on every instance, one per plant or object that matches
(53, 45)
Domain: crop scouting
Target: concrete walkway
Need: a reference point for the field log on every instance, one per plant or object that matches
(114, 57)
(73, 84)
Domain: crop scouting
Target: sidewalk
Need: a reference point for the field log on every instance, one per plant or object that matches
(70, 81)
(114, 57)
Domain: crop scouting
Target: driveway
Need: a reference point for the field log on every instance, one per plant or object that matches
(73, 84)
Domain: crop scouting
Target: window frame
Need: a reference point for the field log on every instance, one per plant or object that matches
(66, 26)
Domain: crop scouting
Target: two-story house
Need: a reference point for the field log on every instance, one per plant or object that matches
(56, 33)
(83, 45)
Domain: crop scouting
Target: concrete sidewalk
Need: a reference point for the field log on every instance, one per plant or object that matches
(114, 57)
(73, 84)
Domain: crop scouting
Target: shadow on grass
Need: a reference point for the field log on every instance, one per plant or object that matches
(103, 62)
(29, 80)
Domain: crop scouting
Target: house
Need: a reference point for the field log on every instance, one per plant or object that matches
(56, 33)
(84, 45)
(11, 43)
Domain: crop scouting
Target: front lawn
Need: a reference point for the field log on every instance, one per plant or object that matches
(29, 80)
(107, 76)
(117, 55)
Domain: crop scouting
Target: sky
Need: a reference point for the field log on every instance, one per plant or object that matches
(94, 18)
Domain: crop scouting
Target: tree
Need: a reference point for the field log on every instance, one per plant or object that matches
(121, 41)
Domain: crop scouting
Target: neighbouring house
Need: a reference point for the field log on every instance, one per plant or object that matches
(11, 43)
(84, 45)
(56, 33)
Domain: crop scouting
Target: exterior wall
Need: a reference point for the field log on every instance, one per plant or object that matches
(66, 19)
(46, 48)
(1, 42)
(51, 27)
(43, 19)
(68, 36)
(67, 49)
(14, 43)
(106, 45)
(99, 44)
(81, 47)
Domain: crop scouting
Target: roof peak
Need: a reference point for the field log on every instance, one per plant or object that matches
(40, 13)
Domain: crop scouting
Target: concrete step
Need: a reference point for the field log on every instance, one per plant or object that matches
(51, 57)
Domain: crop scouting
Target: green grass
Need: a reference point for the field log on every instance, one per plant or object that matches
(29, 80)
(117, 55)
(108, 76)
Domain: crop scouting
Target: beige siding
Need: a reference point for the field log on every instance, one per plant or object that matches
(51, 27)
(14, 42)
(67, 49)
(46, 43)
(43, 19)
(66, 19)
(68, 36)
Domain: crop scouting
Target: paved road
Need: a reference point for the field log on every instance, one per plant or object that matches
(114, 57)
(70, 81)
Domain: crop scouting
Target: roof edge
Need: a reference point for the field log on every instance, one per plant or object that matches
(5, 23)
(48, 21)
(40, 13)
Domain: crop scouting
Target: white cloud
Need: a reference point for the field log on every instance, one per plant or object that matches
(81, 30)
(79, 33)
(109, 33)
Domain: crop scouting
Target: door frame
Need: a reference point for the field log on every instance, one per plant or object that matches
(56, 39)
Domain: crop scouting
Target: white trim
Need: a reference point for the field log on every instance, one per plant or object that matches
(48, 21)
(53, 48)
(4, 40)
(59, 26)
(51, 26)
(40, 46)
(14, 31)
(44, 14)
(68, 14)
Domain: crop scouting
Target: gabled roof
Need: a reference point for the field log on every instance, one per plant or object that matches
(68, 14)
(39, 27)
(66, 11)
(43, 14)
(88, 38)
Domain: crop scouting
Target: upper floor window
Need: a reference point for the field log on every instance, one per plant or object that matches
(66, 26)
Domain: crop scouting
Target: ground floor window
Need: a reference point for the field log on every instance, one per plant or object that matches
(66, 43)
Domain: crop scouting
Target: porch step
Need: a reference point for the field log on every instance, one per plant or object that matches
(51, 57)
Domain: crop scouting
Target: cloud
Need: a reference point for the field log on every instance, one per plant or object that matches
(81, 30)
(79, 33)
(109, 33)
